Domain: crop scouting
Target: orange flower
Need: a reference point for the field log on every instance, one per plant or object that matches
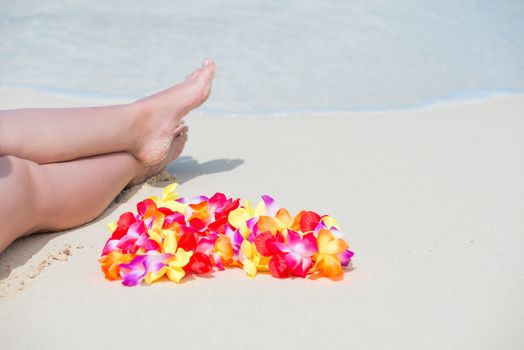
(327, 261)
(111, 263)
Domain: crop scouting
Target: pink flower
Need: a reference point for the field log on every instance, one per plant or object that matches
(137, 237)
(138, 269)
(293, 258)
(298, 258)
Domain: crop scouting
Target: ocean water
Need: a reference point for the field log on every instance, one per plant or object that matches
(272, 56)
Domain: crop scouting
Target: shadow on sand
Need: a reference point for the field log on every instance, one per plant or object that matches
(185, 168)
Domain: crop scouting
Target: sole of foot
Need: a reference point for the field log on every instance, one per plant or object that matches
(175, 150)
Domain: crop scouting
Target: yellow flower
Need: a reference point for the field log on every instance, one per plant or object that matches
(169, 198)
(252, 261)
(238, 218)
(175, 265)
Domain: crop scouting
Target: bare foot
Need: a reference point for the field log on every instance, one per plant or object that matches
(177, 146)
(162, 112)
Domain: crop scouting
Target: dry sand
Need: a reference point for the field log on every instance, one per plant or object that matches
(432, 201)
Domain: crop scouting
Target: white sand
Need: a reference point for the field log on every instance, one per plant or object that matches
(432, 202)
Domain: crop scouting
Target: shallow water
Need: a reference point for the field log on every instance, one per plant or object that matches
(272, 56)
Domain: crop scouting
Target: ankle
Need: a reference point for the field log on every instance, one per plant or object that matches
(139, 124)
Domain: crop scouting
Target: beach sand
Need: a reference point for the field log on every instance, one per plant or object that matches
(431, 201)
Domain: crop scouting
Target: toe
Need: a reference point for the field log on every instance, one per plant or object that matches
(206, 75)
(210, 68)
(208, 63)
(207, 67)
(183, 138)
(179, 128)
(178, 146)
(181, 131)
(193, 74)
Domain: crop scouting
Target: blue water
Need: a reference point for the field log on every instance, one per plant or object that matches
(272, 56)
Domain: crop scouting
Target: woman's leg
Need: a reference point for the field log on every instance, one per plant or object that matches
(144, 128)
(57, 196)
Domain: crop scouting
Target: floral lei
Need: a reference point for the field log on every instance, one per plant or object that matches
(174, 236)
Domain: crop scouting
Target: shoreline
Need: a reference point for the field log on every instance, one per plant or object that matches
(14, 97)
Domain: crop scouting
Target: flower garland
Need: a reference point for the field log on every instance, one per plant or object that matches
(174, 236)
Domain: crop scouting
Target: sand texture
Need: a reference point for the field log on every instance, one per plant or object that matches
(431, 201)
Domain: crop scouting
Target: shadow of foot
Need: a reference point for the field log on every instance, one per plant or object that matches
(187, 168)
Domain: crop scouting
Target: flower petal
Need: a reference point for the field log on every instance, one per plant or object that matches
(248, 249)
(284, 216)
(238, 217)
(111, 245)
(145, 242)
(112, 226)
(250, 268)
(305, 246)
(309, 221)
(111, 262)
(330, 222)
(175, 274)
(298, 265)
(261, 243)
(168, 193)
(224, 250)
(146, 208)
(271, 207)
(125, 220)
(278, 267)
(187, 241)
(170, 244)
(259, 210)
(150, 277)
(335, 246)
(200, 263)
(133, 272)
(176, 206)
(329, 266)
(345, 257)
(205, 244)
(267, 223)
(182, 258)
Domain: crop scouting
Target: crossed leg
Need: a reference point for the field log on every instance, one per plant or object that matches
(57, 196)
(144, 128)
(67, 175)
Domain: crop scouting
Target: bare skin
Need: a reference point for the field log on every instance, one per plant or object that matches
(144, 128)
(60, 168)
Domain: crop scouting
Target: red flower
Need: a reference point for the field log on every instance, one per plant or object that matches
(309, 221)
(273, 246)
(199, 263)
(187, 241)
(146, 207)
(278, 266)
(125, 220)
(293, 258)
(221, 208)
